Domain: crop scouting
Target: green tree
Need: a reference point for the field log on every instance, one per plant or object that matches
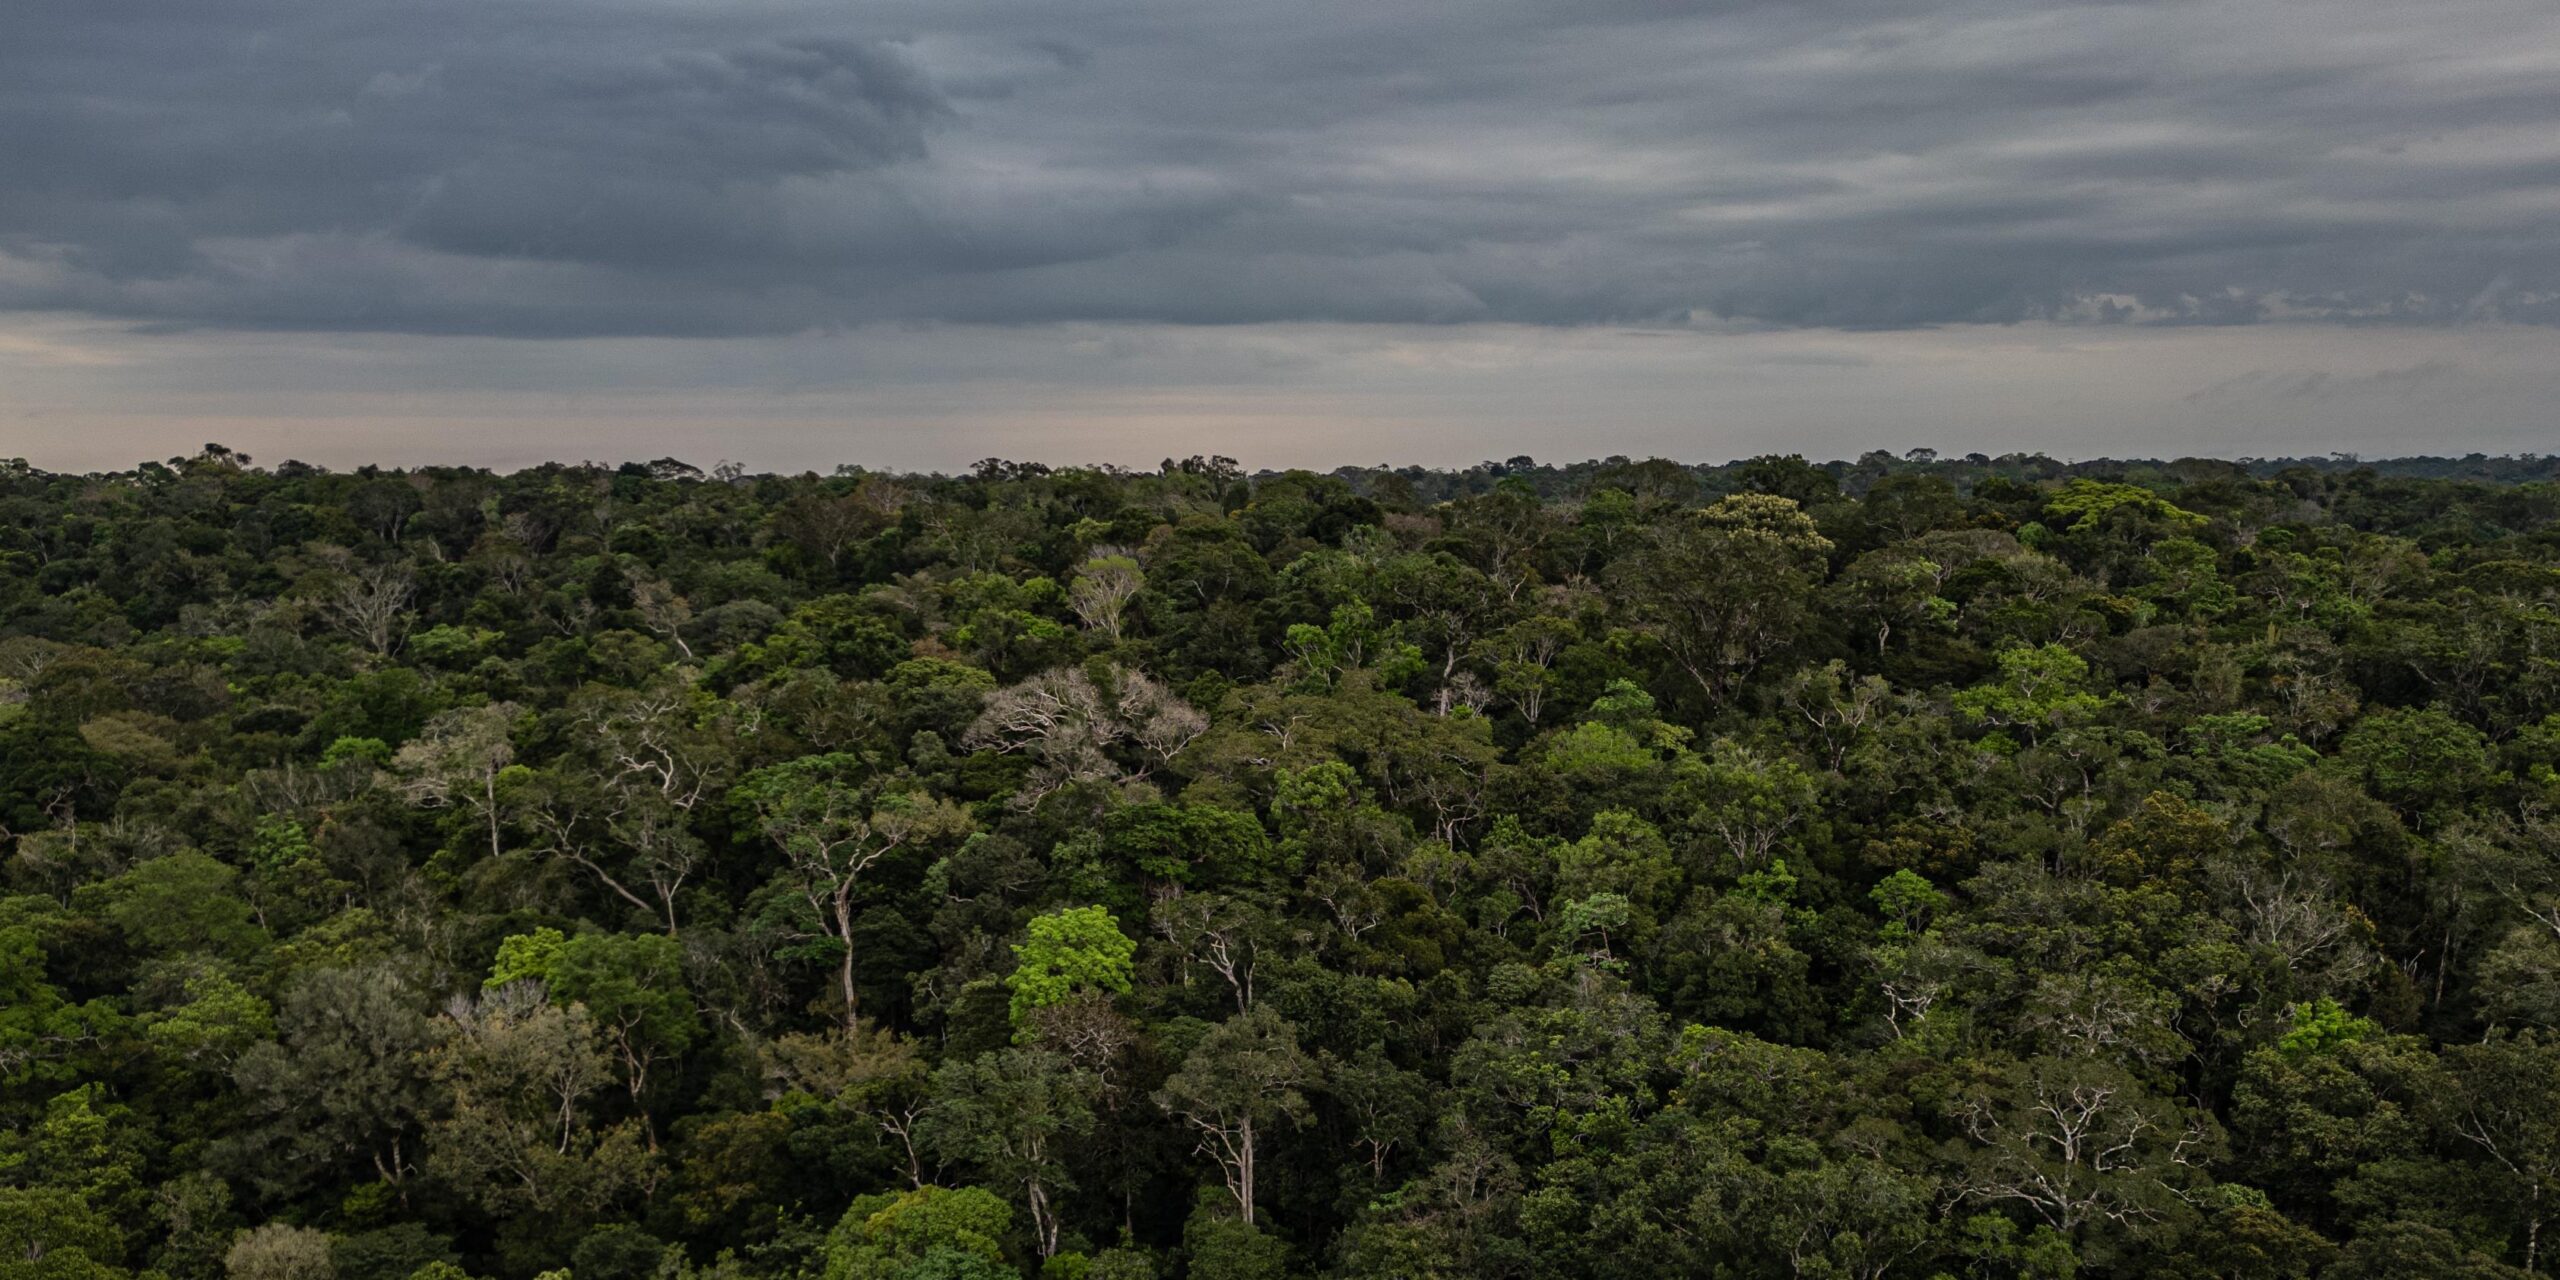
(836, 819)
(930, 1233)
(1722, 591)
(2505, 1104)
(2422, 761)
(2039, 690)
(1239, 1082)
(51, 1233)
(1067, 951)
(342, 1089)
(633, 987)
(1013, 1114)
(181, 902)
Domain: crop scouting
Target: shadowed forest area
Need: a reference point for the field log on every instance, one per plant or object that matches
(1910, 867)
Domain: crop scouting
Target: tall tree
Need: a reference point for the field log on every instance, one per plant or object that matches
(1241, 1081)
(836, 820)
(1014, 1114)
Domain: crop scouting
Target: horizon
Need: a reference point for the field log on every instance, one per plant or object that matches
(216, 452)
(97, 395)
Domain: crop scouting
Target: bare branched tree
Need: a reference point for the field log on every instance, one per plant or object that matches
(370, 603)
(1120, 730)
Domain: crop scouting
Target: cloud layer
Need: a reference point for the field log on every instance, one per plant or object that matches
(566, 168)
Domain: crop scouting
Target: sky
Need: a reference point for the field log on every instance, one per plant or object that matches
(915, 233)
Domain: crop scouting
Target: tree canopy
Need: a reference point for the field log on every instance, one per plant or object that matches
(1896, 868)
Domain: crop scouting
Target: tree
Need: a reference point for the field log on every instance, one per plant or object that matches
(632, 988)
(1443, 605)
(1837, 708)
(1214, 931)
(1747, 800)
(520, 1138)
(1013, 1114)
(370, 603)
(2505, 1103)
(2395, 1249)
(1078, 726)
(1240, 1081)
(835, 820)
(1892, 586)
(1387, 1106)
(2039, 689)
(826, 524)
(1067, 951)
(1623, 855)
(1352, 639)
(1726, 588)
(662, 610)
(868, 1073)
(1223, 1247)
(1522, 657)
(2419, 760)
(930, 1233)
(49, 1233)
(2080, 1145)
(630, 839)
(278, 1251)
(2083, 503)
(86, 1145)
(344, 1083)
(181, 902)
(458, 759)
(1105, 584)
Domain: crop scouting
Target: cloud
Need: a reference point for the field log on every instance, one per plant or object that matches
(664, 167)
(2421, 379)
(941, 396)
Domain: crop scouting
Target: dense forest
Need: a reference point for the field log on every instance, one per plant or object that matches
(1909, 867)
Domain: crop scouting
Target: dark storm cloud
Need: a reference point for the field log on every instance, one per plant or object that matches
(567, 167)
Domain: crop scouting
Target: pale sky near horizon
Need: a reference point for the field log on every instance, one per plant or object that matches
(913, 234)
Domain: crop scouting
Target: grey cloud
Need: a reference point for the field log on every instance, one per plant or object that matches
(585, 167)
(2423, 378)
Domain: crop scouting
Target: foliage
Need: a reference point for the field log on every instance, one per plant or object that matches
(1065, 952)
(1891, 868)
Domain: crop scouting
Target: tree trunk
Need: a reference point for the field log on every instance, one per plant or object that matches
(2533, 1234)
(844, 971)
(1044, 1225)
(1244, 1170)
(636, 1078)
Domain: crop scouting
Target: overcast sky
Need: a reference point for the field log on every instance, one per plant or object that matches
(915, 234)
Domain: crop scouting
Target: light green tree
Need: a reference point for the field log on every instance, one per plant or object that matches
(930, 1233)
(1067, 951)
(52, 1233)
(2039, 688)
